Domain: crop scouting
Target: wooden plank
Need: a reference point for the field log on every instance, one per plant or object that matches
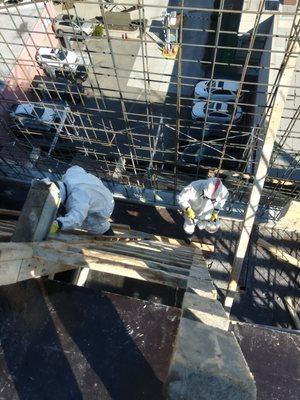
(152, 248)
(68, 235)
(119, 252)
(162, 258)
(120, 227)
(10, 270)
(292, 310)
(282, 255)
(15, 251)
(8, 222)
(6, 229)
(131, 260)
(13, 213)
(38, 212)
(54, 261)
(197, 245)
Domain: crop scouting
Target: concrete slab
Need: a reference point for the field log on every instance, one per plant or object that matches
(59, 341)
(273, 357)
(208, 365)
(205, 310)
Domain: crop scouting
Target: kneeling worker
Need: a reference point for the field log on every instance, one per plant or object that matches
(88, 203)
(200, 201)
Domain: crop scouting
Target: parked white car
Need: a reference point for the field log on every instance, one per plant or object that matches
(57, 58)
(71, 25)
(40, 118)
(217, 112)
(219, 90)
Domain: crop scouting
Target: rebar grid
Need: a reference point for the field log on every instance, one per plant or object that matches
(128, 131)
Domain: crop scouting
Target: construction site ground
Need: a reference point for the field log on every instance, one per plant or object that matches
(123, 305)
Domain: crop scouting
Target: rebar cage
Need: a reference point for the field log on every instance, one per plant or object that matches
(131, 92)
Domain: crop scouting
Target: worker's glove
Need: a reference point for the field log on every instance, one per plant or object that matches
(214, 216)
(189, 212)
(55, 227)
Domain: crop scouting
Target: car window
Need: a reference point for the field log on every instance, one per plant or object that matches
(226, 92)
(61, 55)
(47, 57)
(230, 108)
(67, 16)
(215, 114)
(79, 21)
(220, 91)
(65, 23)
(38, 111)
(23, 114)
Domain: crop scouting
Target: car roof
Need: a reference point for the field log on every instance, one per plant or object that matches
(218, 106)
(64, 17)
(227, 85)
(28, 107)
(199, 106)
(24, 108)
(47, 50)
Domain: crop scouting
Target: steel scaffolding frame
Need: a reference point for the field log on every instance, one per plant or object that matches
(116, 122)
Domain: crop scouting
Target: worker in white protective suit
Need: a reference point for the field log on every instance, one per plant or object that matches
(201, 201)
(88, 203)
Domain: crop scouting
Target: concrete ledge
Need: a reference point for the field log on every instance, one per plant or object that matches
(203, 288)
(200, 271)
(205, 310)
(208, 365)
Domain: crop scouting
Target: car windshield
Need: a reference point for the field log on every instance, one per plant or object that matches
(79, 21)
(38, 111)
(61, 55)
(210, 107)
(230, 108)
(218, 106)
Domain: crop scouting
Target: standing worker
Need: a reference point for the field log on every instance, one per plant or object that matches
(88, 203)
(201, 201)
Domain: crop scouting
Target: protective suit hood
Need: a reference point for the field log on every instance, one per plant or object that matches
(213, 188)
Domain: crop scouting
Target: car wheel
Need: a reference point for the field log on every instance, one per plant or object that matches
(59, 33)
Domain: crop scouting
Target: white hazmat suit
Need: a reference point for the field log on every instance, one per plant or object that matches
(89, 204)
(203, 197)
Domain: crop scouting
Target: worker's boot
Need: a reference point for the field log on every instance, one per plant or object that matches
(109, 232)
(188, 239)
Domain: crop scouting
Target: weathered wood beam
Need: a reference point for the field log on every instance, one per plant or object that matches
(200, 246)
(38, 212)
(282, 255)
(292, 310)
(161, 258)
(13, 257)
(54, 261)
(13, 213)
